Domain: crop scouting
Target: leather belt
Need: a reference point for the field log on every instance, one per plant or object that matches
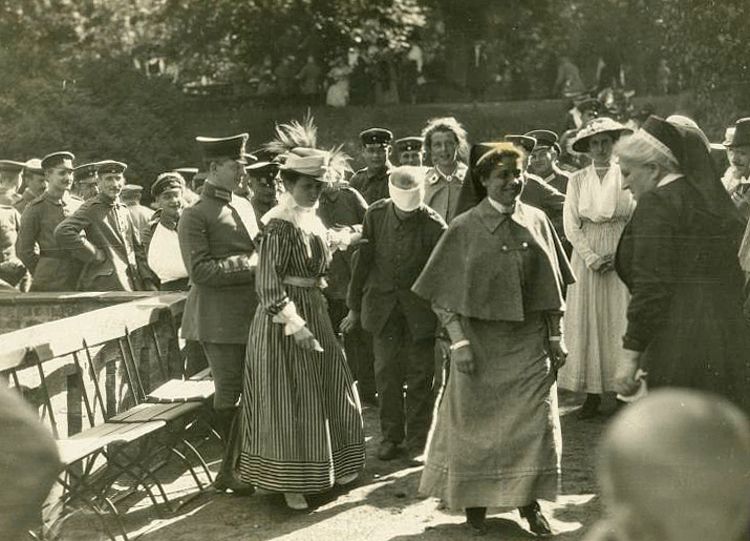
(301, 281)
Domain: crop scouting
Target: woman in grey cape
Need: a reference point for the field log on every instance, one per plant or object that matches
(496, 441)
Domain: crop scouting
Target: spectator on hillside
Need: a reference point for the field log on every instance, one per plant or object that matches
(663, 77)
(310, 77)
(284, 74)
(568, 82)
(337, 94)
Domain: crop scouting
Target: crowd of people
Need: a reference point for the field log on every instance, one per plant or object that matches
(452, 286)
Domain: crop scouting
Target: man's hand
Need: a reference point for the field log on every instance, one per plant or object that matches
(350, 322)
(463, 359)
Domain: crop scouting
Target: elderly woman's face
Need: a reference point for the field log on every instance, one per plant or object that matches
(505, 181)
(638, 178)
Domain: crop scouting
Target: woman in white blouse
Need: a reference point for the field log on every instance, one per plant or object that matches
(594, 216)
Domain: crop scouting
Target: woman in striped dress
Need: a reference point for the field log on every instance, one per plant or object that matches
(594, 216)
(302, 421)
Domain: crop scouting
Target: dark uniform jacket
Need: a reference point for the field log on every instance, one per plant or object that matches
(12, 270)
(52, 268)
(541, 195)
(341, 207)
(372, 187)
(217, 244)
(389, 260)
(102, 225)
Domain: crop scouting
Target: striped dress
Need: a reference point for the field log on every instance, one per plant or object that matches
(301, 417)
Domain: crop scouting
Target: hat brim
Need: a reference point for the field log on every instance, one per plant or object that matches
(582, 144)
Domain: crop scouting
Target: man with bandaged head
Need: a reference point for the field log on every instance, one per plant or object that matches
(398, 236)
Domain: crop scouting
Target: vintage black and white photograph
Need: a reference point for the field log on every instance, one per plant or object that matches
(374, 270)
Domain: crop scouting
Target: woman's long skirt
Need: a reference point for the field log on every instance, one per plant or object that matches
(302, 421)
(595, 318)
(495, 439)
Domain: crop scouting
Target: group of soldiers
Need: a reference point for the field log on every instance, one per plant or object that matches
(81, 228)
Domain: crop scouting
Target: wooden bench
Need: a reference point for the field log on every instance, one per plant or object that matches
(96, 457)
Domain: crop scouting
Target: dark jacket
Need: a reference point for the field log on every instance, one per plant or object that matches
(52, 268)
(342, 207)
(389, 260)
(372, 187)
(101, 225)
(218, 249)
(685, 313)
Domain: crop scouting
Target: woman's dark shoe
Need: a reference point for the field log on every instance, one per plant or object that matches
(537, 522)
(590, 408)
(475, 519)
(388, 450)
(225, 482)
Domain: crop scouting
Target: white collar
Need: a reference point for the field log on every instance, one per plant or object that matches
(459, 173)
(502, 209)
(668, 179)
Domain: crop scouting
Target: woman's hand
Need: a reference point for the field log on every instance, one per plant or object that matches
(604, 264)
(557, 352)
(627, 366)
(463, 359)
(305, 339)
(350, 322)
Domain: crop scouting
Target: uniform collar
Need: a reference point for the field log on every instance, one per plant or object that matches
(379, 172)
(215, 192)
(434, 174)
(491, 215)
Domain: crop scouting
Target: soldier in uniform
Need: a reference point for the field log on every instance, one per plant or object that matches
(12, 270)
(398, 237)
(131, 198)
(372, 180)
(85, 186)
(34, 182)
(10, 181)
(409, 150)
(52, 269)
(111, 249)
(543, 159)
(216, 238)
(160, 240)
(342, 207)
(263, 184)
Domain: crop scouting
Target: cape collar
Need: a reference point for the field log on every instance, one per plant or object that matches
(491, 217)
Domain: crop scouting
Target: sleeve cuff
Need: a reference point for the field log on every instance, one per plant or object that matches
(289, 317)
(628, 342)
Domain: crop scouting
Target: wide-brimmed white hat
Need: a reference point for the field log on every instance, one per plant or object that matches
(595, 126)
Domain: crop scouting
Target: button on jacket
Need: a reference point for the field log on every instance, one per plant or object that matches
(52, 268)
(103, 225)
(387, 264)
(217, 244)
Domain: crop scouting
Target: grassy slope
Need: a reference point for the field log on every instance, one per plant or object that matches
(483, 121)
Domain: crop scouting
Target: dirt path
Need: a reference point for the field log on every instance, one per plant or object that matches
(383, 505)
